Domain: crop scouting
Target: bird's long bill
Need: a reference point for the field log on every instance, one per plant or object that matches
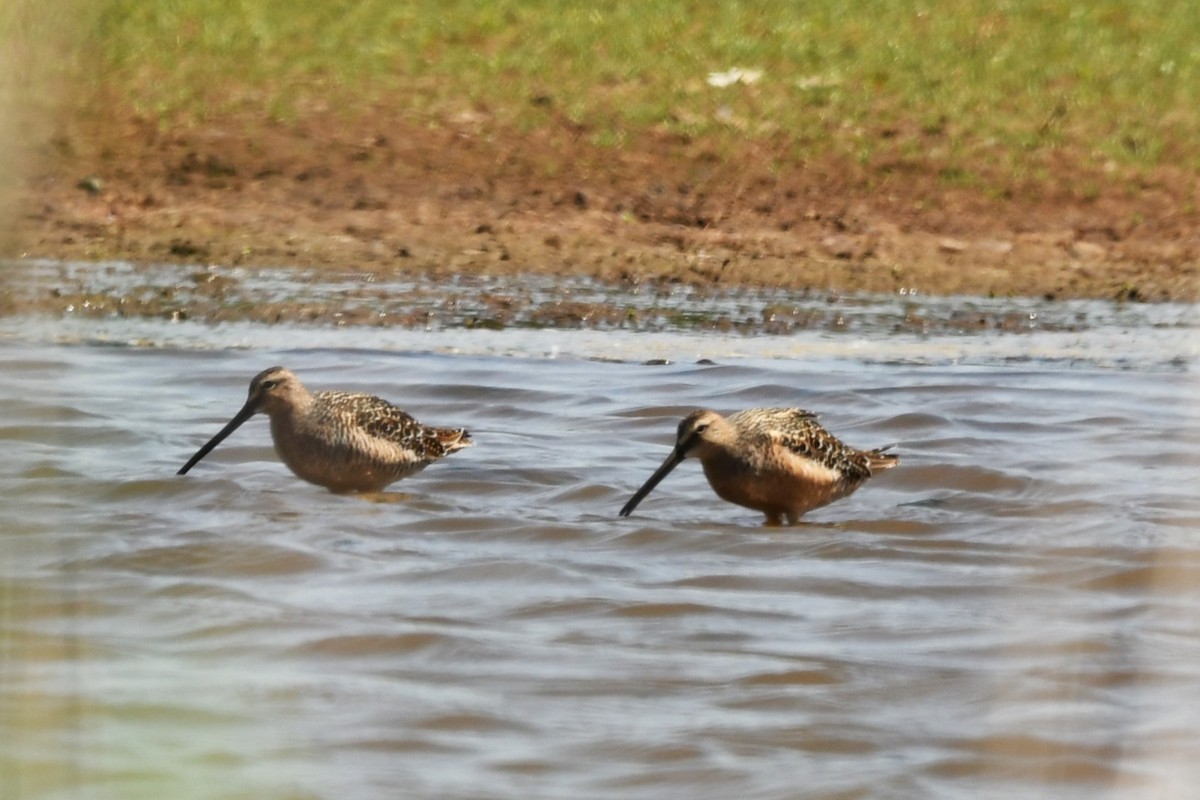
(671, 463)
(246, 413)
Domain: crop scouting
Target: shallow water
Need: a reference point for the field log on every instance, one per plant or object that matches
(1014, 612)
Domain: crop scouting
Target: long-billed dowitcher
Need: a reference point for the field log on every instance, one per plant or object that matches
(779, 461)
(343, 441)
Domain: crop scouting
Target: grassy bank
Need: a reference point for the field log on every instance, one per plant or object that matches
(972, 147)
(991, 81)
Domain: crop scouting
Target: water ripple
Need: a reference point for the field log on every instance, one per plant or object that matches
(1009, 614)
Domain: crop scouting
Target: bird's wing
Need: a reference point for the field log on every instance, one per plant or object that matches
(372, 415)
(800, 433)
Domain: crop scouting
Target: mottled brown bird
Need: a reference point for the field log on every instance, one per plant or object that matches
(779, 461)
(344, 441)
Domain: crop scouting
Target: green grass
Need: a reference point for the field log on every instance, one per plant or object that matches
(1012, 81)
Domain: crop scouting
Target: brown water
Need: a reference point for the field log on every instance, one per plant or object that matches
(1015, 612)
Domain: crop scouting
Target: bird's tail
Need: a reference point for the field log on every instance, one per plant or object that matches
(879, 459)
(453, 438)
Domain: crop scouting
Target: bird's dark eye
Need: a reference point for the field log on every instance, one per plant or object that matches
(701, 428)
(269, 385)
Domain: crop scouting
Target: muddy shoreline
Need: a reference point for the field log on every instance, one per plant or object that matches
(119, 292)
(430, 204)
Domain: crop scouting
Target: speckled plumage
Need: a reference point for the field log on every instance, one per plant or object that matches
(779, 461)
(346, 442)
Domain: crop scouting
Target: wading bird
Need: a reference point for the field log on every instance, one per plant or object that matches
(346, 442)
(779, 461)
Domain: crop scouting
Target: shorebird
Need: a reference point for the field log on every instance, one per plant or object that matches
(344, 441)
(779, 461)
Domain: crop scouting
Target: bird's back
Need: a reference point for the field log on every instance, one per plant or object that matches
(387, 424)
(798, 431)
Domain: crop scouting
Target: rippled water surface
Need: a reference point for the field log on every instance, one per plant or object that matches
(1014, 612)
